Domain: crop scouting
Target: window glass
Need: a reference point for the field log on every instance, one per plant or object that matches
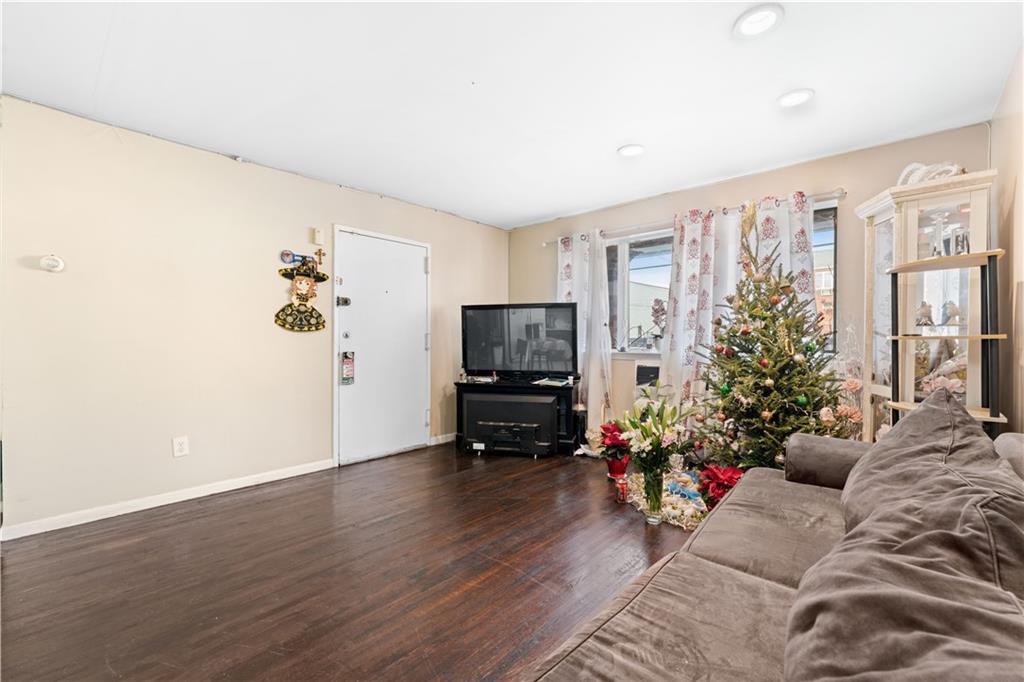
(650, 268)
(824, 270)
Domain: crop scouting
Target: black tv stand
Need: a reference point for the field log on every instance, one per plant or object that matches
(516, 416)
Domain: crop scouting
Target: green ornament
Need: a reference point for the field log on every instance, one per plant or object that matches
(811, 347)
(802, 401)
(725, 389)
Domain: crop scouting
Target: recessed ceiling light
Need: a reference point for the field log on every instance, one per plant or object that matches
(795, 98)
(631, 150)
(758, 19)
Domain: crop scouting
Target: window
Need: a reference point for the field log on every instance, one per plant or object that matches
(639, 269)
(824, 248)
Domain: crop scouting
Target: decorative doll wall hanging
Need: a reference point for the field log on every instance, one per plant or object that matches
(300, 315)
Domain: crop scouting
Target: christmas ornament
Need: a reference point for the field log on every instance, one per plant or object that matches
(769, 382)
(697, 445)
(775, 299)
(780, 459)
(786, 286)
(699, 418)
(766, 415)
(799, 357)
(810, 347)
(729, 351)
(720, 416)
(802, 401)
(719, 348)
(764, 362)
(725, 389)
(745, 329)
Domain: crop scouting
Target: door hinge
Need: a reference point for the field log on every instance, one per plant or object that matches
(426, 265)
(426, 341)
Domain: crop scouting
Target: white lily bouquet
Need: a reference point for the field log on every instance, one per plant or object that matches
(655, 431)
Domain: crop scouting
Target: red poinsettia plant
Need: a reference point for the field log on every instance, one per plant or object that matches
(613, 445)
(716, 481)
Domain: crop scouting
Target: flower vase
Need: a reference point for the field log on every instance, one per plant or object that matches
(653, 485)
(617, 467)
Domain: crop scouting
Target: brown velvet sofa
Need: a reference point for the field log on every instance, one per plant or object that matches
(902, 560)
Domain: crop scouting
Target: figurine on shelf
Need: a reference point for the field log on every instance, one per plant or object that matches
(961, 242)
(950, 313)
(923, 317)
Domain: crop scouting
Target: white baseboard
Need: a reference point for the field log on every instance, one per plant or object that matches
(20, 530)
(443, 438)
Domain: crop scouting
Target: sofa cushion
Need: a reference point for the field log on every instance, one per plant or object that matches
(939, 437)
(685, 619)
(770, 527)
(1010, 447)
(928, 583)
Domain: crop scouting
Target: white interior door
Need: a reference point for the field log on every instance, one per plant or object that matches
(382, 404)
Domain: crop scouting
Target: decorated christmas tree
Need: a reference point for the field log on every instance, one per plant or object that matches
(768, 373)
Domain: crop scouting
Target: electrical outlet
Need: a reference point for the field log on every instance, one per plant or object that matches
(179, 446)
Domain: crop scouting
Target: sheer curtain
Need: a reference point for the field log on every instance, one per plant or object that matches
(583, 278)
(706, 268)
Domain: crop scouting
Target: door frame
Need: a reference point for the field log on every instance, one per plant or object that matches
(336, 330)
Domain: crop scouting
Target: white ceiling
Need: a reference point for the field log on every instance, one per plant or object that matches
(511, 113)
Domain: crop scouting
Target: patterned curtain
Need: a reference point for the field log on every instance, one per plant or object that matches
(583, 278)
(706, 268)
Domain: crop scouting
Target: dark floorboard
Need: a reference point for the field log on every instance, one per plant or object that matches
(427, 565)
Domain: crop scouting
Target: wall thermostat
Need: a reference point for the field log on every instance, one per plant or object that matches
(51, 263)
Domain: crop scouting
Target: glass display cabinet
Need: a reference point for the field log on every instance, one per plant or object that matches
(929, 314)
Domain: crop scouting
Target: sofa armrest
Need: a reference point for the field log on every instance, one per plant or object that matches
(1010, 447)
(817, 460)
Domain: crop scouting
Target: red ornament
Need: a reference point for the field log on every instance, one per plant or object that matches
(697, 445)
(719, 348)
(763, 362)
(775, 299)
(729, 351)
(720, 416)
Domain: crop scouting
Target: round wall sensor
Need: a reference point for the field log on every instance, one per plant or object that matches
(51, 263)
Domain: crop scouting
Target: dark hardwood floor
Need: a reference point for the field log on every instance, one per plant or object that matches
(427, 565)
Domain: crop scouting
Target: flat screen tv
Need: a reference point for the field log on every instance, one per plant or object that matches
(519, 339)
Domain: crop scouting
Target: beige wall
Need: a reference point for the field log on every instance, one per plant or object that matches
(162, 323)
(861, 173)
(1007, 145)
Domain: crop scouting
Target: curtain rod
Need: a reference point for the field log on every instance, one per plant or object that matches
(838, 194)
